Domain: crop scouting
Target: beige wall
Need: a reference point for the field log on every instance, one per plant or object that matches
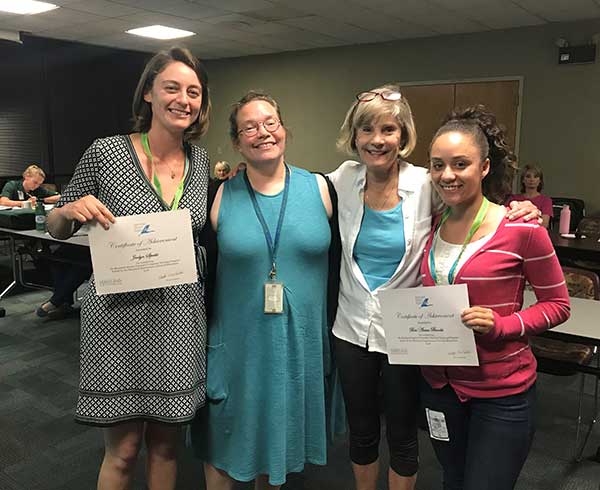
(560, 127)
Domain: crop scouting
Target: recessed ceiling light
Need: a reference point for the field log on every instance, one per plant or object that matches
(160, 32)
(25, 7)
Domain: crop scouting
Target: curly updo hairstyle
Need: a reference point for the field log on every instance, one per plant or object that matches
(490, 137)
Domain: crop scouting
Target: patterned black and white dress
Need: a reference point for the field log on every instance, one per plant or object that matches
(142, 353)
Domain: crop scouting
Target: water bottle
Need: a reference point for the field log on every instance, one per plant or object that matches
(565, 219)
(40, 216)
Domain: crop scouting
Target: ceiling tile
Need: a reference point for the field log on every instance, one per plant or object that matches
(50, 20)
(235, 5)
(104, 8)
(181, 8)
(494, 14)
(244, 27)
(339, 30)
(103, 28)
(422, 12)
(560, 10)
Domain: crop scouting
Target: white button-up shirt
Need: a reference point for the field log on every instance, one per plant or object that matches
(359, 319)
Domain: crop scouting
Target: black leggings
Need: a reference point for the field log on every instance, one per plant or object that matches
(361, 373)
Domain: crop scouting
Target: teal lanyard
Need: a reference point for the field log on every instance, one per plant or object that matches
(474, 227)
(156, 182)
(272, 244)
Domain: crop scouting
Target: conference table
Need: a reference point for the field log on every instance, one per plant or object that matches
(16, 260)
(575, 248)
(583, 327)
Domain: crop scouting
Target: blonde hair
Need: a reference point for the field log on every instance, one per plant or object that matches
(34, 170)
(365, 112)
(224, 165)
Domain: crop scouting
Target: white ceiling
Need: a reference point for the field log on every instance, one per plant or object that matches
(227, 28)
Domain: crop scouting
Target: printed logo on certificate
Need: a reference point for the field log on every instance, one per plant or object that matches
(144, 251)
(423, 326)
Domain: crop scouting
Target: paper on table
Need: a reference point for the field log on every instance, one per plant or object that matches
(144, 251)
(422, 326)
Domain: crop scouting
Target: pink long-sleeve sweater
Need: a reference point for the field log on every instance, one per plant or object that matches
(496, 276)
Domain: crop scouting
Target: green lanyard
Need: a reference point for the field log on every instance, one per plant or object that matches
(156, 182)
(474, 227)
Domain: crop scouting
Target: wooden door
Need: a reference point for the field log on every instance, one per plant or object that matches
(501, 98)
(429, 104)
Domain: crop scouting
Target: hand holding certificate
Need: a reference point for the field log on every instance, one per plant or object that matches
(423, 326)
(143, 251)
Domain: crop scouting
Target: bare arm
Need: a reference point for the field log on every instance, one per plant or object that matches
(52, 199)
(87, 209)
(545, 220)
(214, 210)
(5, 201)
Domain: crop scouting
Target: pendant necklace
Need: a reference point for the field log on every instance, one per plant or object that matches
(146, 147)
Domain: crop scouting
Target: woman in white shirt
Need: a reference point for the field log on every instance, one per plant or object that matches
(385, 208)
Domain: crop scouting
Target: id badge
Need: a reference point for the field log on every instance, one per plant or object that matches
(273, 298)
(438, 429)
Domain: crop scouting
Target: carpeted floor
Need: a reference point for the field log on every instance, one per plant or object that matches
(41, 448)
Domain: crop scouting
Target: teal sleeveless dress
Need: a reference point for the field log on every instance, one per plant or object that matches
(265, 387)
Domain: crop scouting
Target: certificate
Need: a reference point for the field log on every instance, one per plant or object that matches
(144, 251)
(422, 326)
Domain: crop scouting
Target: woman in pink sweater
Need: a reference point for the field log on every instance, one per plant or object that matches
(481, 418)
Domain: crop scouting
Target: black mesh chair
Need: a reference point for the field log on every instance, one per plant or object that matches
(577, 207)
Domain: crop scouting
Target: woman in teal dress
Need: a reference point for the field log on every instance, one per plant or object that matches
(266, 412)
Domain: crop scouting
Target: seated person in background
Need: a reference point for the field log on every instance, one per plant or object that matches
(16, 192)
(73, 266)
(532, 182)
(222, 170)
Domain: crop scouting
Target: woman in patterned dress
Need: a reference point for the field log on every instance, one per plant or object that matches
(143, 365)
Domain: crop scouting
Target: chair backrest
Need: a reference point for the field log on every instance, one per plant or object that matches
(577, 207)
(50, 187)
(590, 226)
(582, 283)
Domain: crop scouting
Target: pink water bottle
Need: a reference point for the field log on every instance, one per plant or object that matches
(565, 219)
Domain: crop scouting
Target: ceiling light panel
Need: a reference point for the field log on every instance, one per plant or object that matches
(25, 7)
(160, 32)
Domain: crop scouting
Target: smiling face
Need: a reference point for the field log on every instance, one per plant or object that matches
(175, 97)
(378, 142)
(221, 171)
(457, 168)
(264, 146)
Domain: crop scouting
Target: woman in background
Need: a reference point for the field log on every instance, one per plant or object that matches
(222, 170)
(486, 413)
(143, 361)
(532, 184)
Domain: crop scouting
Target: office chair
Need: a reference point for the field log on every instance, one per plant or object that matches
(562, 358)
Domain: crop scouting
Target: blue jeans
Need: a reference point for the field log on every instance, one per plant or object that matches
(489, 438)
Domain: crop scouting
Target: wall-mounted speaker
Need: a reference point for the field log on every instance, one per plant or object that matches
(577, 54)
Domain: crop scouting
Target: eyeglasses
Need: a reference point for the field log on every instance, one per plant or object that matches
(385, 95)
(270, 125)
